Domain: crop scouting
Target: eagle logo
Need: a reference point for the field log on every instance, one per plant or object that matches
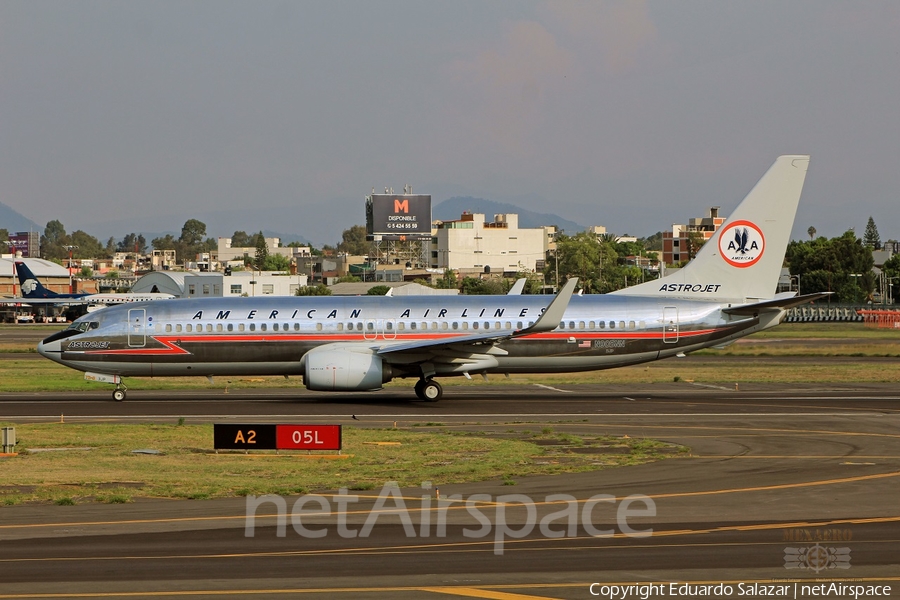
(741, 244)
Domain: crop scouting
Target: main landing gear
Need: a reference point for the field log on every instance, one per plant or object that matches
(429, 390)
(119, 392)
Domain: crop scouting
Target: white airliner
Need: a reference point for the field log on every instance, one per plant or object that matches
(35, 294)
(360, 343)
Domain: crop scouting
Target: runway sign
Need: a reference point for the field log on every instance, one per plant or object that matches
(269, 436)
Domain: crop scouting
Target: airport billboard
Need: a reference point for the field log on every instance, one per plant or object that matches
(398, 216)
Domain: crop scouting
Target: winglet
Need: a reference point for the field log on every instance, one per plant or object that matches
(517, 287)
(554, 313)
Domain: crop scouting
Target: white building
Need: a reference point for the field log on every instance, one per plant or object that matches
(473, 245)
(188, 284)
(228, 253)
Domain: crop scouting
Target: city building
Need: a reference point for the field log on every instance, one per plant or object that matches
(191, 284)
(473, 246)
(676, 241)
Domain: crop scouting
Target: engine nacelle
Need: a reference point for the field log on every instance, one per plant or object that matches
(344, 368)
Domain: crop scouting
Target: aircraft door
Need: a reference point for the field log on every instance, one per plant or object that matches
(670, 324)
(371, 330)
(137, 331)
(389, 331)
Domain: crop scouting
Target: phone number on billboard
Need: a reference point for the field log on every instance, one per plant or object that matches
(402, 225)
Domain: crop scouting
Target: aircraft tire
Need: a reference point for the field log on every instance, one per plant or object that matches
(432, 391)
(420, 386)
(118, 395)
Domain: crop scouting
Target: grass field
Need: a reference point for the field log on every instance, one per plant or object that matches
(188, 468)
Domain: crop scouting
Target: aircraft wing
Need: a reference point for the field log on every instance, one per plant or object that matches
(468, 343)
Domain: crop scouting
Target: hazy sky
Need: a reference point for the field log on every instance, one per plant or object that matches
(632, 115)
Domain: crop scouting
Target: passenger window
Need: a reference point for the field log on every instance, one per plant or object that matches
(455, 325)
(189, 328)
(252, 326)
(389, 326)
(370, 326)
(297, 326)
(168, 327)
(581, 325)
(465, 324)
(508, 325)
(562, 324)
(401, 326)
(412, 325)
(230, 327)
(240, 326)
(444, 325)
(340, 326)
(434, 325)
(318, 327)
(612, 324)
(178, 328)
(592, 325)
(630, 324)
(519, 325)
(571, 324)
(219, 327)
(621, 324)
(263, 327)
(209, 327)
(602, 324)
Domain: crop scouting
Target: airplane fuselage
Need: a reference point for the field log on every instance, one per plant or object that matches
(241, 336)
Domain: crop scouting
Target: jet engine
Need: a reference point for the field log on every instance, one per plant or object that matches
(344, 368)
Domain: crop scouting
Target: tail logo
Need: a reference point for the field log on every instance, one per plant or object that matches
(741, 244)
(29, 286)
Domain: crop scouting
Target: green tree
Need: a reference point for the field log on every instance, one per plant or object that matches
(262, 252)
(811, 232)
(88, 245)
(842, 265)
(871, 237)
(4, 235)
(240, 239)
(277, 262)
(378, 290)
(53, 240)
(132, 241)
(447, 281)
(354, 241)
(314, 290)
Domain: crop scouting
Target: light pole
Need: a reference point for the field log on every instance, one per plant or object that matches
(12, 249)
(71, 285)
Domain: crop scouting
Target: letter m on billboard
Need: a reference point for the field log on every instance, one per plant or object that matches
(401, 205)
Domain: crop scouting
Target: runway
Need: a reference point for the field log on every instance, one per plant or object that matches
(774, 472)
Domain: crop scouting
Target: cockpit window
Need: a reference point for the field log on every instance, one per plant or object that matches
(82, 326)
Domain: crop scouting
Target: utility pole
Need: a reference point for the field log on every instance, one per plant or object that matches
(71, 281)
(12, 249)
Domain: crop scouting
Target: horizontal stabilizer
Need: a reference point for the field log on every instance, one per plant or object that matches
(783, 303)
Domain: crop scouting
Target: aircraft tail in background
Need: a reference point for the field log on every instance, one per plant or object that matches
(31, 287)
(742, 261)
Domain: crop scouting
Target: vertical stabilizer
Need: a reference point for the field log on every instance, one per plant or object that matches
(31, 287)
(742, 261)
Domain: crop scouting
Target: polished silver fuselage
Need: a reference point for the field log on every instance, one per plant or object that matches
(270, 336)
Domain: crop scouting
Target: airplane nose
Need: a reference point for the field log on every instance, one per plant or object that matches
(50, 349)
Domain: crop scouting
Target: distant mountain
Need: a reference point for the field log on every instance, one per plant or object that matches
(451, 209)
(13, 221)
